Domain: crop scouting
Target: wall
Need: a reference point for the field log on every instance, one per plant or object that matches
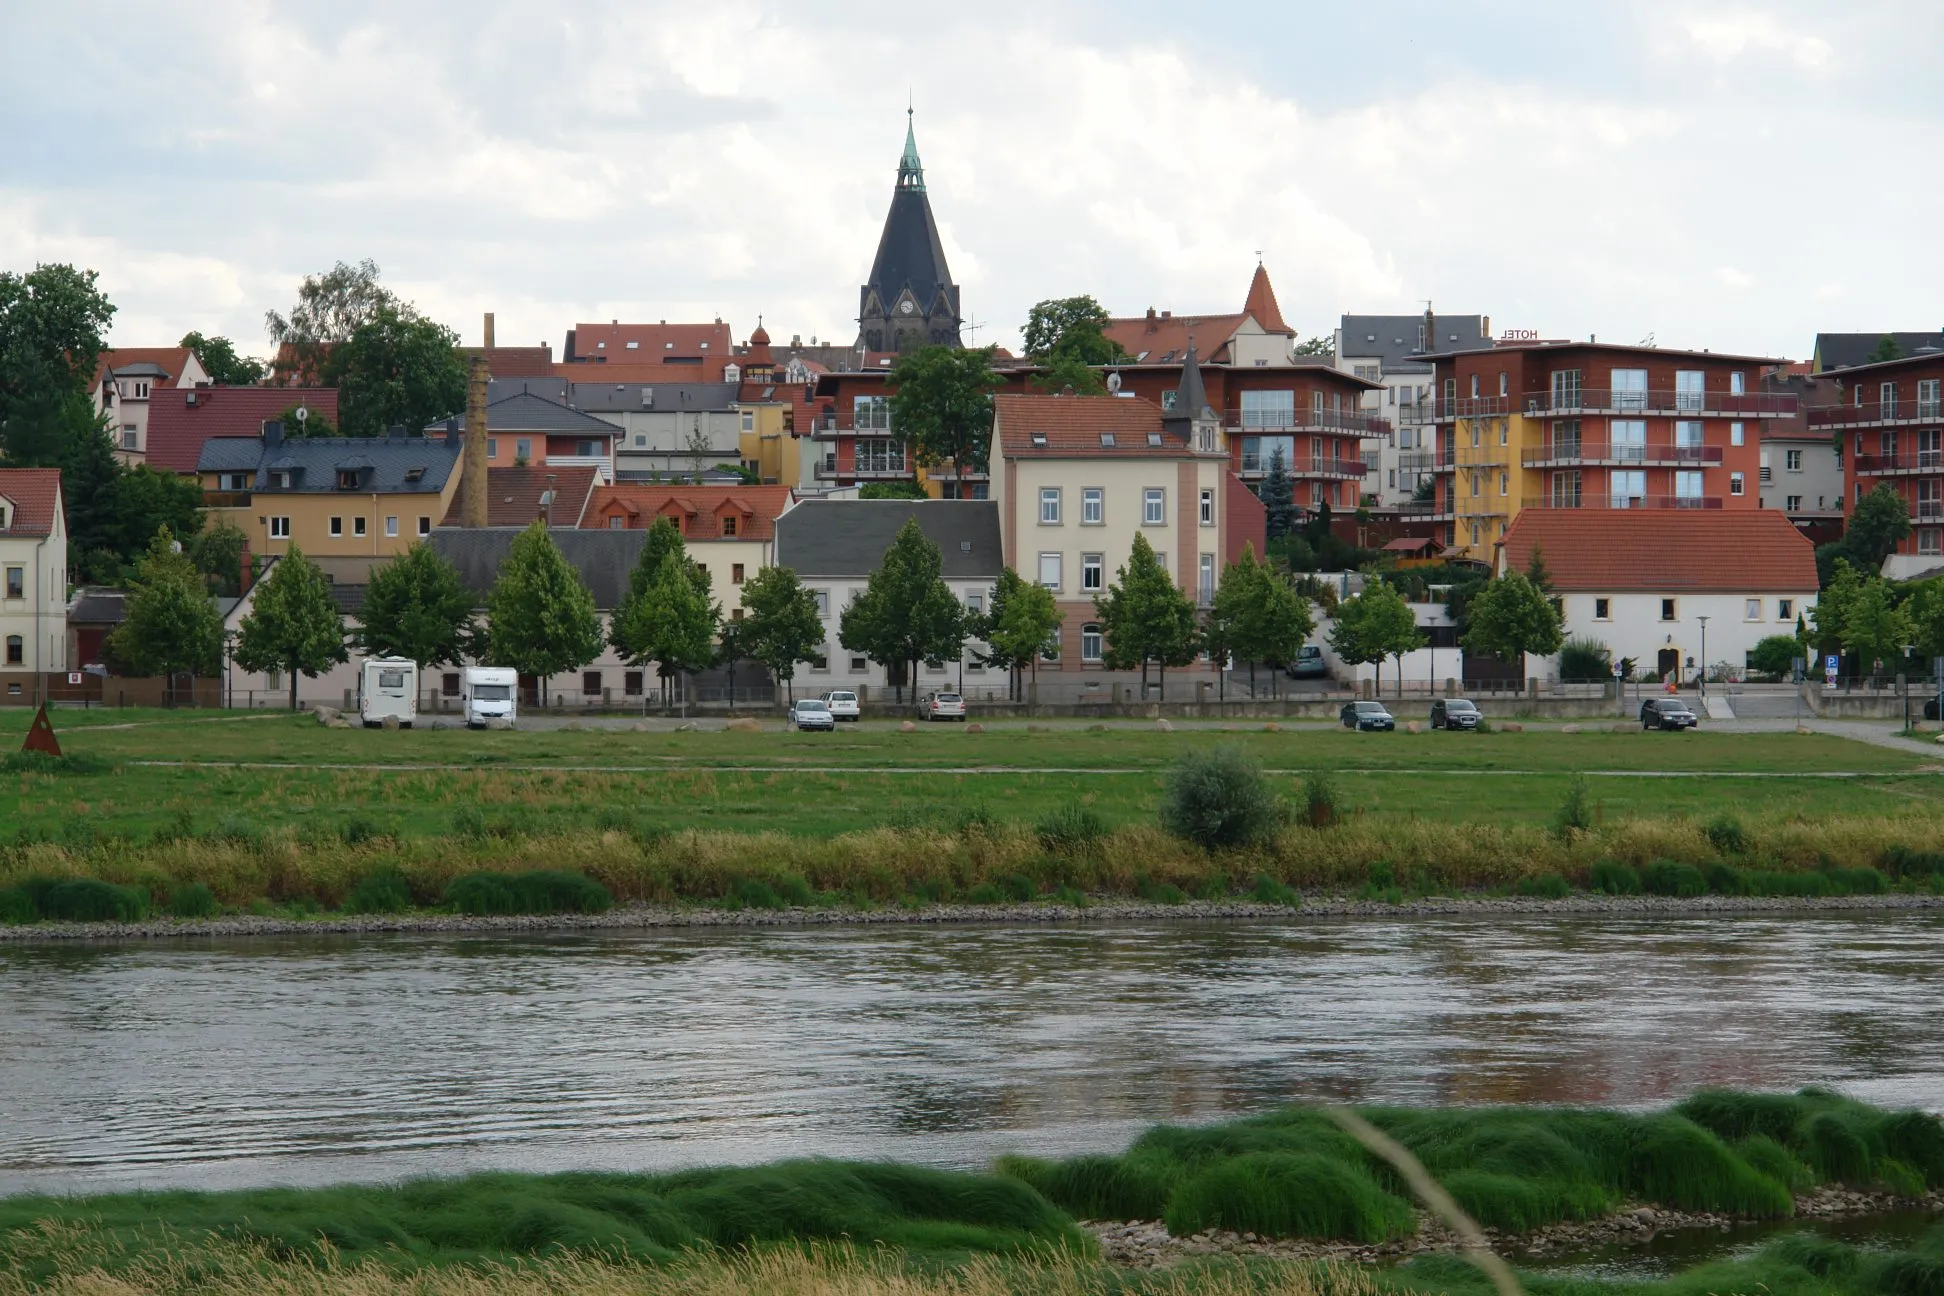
(835, 594)
(1635, 628)
(657, 440)
(720, 558)
(310, 514)
(39, 616)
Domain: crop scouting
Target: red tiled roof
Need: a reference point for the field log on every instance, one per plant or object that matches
(1731, 551)
(516, 362)
(710, 370)
(513, 496)
(701, 508)
(1261, 303)
(177, 428)
(35, 494)
(654, 343)
(1166, 337)
(1073, 426)
(171, 360)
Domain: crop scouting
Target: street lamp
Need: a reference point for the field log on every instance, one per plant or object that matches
(1704, 655)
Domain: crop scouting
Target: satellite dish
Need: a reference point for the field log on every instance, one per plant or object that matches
(303, 413)
(1113, 382)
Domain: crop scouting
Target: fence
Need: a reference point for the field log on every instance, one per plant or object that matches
(87, 689)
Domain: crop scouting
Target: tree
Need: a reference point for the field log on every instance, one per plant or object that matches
(540, 617)
(906, 614)
(397, 367)
(732, 647)
(698, 451)
(1879, 520)
(671, 623)
(217, 552)
(1830, 617)
(941, 406)
(330, 308)
(1774, 655)
(1008, 587)
(780, 626)
(53, 322)
(1023, 626)
(1257, 616)
(1145, 618)
(1885, 349)
(1278, 495)
(1376, 624)
(418, 606)
(171, 625)
(313, 424)
(1510, 617)
(293, 625)
(1322, 344)
(892, 490)
(221, 362)
(143, 500)
(1536, 572)
(1065, 338)
(1925, 608)
(1875, 629)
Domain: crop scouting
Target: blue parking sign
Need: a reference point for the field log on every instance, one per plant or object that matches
(1832, 665)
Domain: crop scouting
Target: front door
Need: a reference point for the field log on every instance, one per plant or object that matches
(1669, 663)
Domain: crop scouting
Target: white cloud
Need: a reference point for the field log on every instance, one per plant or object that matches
(1729, 35)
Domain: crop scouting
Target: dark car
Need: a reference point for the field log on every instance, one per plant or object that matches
(1454, 713)
(1309, 664)
(1667, 713)
(1930, 709)
(1363, 716)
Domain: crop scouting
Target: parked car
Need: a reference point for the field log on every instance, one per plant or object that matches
(1930, 708)
(1308, 664)
(1366, 715)
(811, 713)
(1667, 713)
(842, 704)
(941, 706)
(1454, 713)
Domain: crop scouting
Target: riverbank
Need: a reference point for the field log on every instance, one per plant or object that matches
(642, 917)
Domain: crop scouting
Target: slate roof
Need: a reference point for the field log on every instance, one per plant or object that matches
(848, 537)
(513, 496)
(623, 397)
(1653, 551)
(526, 412)
(177, 429)
(1073, 427)
(1846, 350)
(36, 497)
(756, 508)
(316, 461)
(1392, 340)
(98, 607)
(547, 385)
(604, 559)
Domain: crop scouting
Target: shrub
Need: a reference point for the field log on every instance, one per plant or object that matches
(17, 906)
(1320, 799)
(1584, 659)
(536, 892)
(1213, 887)
(1902, 862)
(1576, 811)
(1726, 836)
(1672, 878)
(1857, 881)
(193, 900)
(753, 893)
(1218, 799)
(383, 891)
(359, 829)
(1073, 829)
(1095, 1187)
(1157, 892)
(1071, 896)
(1726, 879)
(86, 900)
(985, 894)
(1611, 877)
(1545, 886)
(33, 762)
(235, 830)
(613, 818)
(1269, 891)
(1772, 882)
(469, 822)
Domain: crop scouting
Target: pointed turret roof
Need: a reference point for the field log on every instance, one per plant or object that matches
(910, 254)
(1191, 398)
(1261, 303)
(910, 169)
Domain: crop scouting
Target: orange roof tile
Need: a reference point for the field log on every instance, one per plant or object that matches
(1730, 551)
(1059, 427)
(35, 494)
(171, 360)
(701, 508)
(1164, 338)
(1261, 303)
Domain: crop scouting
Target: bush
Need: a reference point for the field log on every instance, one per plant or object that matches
(1584, 659)
(469, 822)
(1857, 881)
(753, 893)
(85, 900)
(193, 900)
(1320, 799)
(1095, 1187)
(536, 892)
(33, 762)
(17, 907)
(1545, 886)
(1772, 882)
(1157, 892)
(1611, 877)
(1073, 829)
(1902, 862)
(1218, 799)
(1672, 878)
(383, 891)
(1576, 811)
(1726, 879)
(359, 829)
(1269, 891)
(1775, 656)
(1726, 836)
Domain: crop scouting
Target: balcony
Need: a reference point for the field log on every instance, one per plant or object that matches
(1573, 454)
(215, 499)
(1879, 414)
(1424, 511)
(1444, 411)
(828, 471)
(1668, 404)
(1317, 467)
(1418, 461)
(832, 426)
(1900, 465)
(1353, 422)
(1590, 501)
(1929, 510)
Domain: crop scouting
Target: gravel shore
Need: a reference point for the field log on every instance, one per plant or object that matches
(642, 917)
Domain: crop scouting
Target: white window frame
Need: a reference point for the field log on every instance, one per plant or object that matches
(1208, 508)
(1049, 506)
(1737, 484)
(336, 527)
(1785, 609)
(1053, 563)
(358, 525)
(1093, 506)
(1154, 506)
(280, 528)
(1792, 461)
(1093, 573)
(1092, 637)
(1603, 613)
(1737, 434)
(425, 524)
(391, 526)
(1752, 609)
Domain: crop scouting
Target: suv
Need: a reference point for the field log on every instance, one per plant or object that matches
(1667, 713)
(1308, 664)
(1454, 713)
(1366, 715)
(842, 704)
(811, 713)
(942, 706)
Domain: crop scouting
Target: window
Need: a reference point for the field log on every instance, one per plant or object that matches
(1887, 398)
(449, 684)
(1689, 384)
(1049, 571)
(1927, 540)
(337, 526)
(1566, 389)
(492, 447)
(357, 526)
(391, 527)
(749, 420)
(974, 602)
(735, 573)
(1687, 487)
(1154, 506)
(1205, 579)
(16, 650)
(1667, 609)
(590, 683)
(425, 525)
(1629, 389)
(1736, 484)
(1093, 573)
(735, 614)
(1092, 506)
(1738, 384)
(632, 682)
(1629, 438)
(1736, 435)
(1474, 386)
(858, 665)
(880, 456)
(1168, 399)
(1792, 460)
(1928, 404)
(1092, 643)
(1208, 508)
(1784, 609)
(131, 439)
(872, 413)
(1505, 483)
(1274, 410)
(1792, 503)
(1629, 489)
(820, 659)
(16, 582)
(280, 528)
(1752, 610)
(1049, 506)
(822, 598)
(1505, 382)
(1602, 609)
(1258, 453)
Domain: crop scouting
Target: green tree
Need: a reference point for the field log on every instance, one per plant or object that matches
(1257, 616)
(1875, 629)
(293, 625)
(53, 322)
(1145, 618)
(90, 474)
(221, 362)
(418, 606)
(1885, 349)
(1536, 572)
(314, 423)
(1376, 624)
(1008, 587)
(1322, 344)
(1510, 617)
(780, 625)
(1024, 625)
(217, 552)
(330, 308)
(664, 540)
(892, 490)
(1065, 337)
(941, 407)
(143, 500)
(671, 623)
(1278, 495)
(1774, 655)
(1829, 619)
(906, 614)
(171, 625)
(1879, 520)
(397, 367)
(1925, 608)
(540, 617)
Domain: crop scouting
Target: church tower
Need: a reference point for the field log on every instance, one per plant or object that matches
(910, 301)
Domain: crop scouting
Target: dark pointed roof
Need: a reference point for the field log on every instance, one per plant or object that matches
(909, 253)
(1191, 398)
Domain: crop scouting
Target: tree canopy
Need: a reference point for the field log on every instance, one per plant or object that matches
(1065, 338)
(1023, 624)
(1876, 524)
(1875, 629)
(1278, 495)
(330, 308)
(1376, 624)
(672, 622)
(540, 617)
(1144, 617)
(294, 625)
(780, 626)
(397, 367)
(171, 625)
(222, 363)
(1258, 615)
(1510, 617)
(1829, 619)
(906, 613)
(53, 325)
(417, 606)
(941, 406)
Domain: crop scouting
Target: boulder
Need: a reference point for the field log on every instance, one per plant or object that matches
(1163, 726)
(1272, 727)
(640, 726)
(975, 727)
(340, 723)
(575, 726)
(325, 715)
(687, 726)
(499, 722)
(390, 722)
(1939, 739)
(1571, 728)
(1412, 726)
(907, 726)
(1804, 729)
(743, 724)
(1511, 726)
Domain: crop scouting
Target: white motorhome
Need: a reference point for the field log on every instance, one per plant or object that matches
(388, 690)
(488, 694)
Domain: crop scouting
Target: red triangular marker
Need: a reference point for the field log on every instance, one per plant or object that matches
(40, 735)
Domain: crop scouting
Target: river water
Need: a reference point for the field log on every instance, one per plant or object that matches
(319, 1059)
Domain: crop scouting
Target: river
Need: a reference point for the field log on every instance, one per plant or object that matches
(317, 1059)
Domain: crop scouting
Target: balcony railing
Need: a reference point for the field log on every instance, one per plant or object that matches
(1881, 412)
(1566, 453)
(1930, 511)
(828, 470)
(1916, 461)
(1417, 461)
(1443, 411)
(1248, 422)
(225, 499)
(1592, 501)
(832, 426)
(1672, 404)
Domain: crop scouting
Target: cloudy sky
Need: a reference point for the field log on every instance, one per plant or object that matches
(1734, 176)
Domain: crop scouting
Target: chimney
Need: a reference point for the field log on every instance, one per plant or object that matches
(452, 432)
(489, 328)
(272, 434)
(472, 483)
(1150, 319)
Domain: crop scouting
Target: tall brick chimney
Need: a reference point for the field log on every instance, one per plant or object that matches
(489, 328)
(472, 478)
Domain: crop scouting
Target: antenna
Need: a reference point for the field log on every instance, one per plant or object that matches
(972, 326)
(1647, 341)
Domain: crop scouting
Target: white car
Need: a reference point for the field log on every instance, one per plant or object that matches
(942, 706)
(842, 704)
(811, 713)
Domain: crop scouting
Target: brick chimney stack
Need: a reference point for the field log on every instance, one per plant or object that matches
(472, 480)
(489, 328)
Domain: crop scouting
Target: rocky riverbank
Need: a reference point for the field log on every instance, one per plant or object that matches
(641, 917)
(1147, 1244)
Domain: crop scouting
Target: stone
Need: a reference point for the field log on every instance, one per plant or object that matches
(974, 727)
(499, 722)
(1163, 726)
(687, 726)
(340, 723)
(640, 726)
(1571, 728)
(1412, 726)
(325, 715)
(1622, 728)
(390, 722)
(1939, 739)
(1272, 727)
(1804, 729)
(906, 726)
(1511, 726)
(742, 724)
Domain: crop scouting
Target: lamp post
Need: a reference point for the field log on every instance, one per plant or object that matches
(1704, 655)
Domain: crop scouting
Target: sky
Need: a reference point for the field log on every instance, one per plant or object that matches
(1735, 176)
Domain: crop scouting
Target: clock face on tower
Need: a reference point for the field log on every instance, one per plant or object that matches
(906, 306)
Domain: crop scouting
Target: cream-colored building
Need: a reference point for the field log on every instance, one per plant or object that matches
(33, 577)
(127, 378)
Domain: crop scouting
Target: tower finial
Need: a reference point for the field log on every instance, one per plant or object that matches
(911, 172)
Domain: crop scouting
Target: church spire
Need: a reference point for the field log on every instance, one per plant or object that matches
(910, 300)
(911, 172)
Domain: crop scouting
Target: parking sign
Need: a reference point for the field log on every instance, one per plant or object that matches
(1832, 664)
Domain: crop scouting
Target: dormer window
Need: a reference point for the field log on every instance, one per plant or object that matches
(347, 479)
(1107, 439)
(1154, 438)
(1039, 440)
(414, 474)
(6, 515)
(280, 481)
(634, 346)
(729, 524)
(600, 346)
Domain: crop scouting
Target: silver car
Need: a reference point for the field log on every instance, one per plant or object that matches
(842, 704)
(812, 713)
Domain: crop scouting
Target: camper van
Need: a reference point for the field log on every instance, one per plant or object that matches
(488, 693)
(388, 690)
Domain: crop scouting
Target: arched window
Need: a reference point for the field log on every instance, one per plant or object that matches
(1092, 643)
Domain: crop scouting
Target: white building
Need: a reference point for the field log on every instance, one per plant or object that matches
(33, 578)
(1387, 349)
(127, 378)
